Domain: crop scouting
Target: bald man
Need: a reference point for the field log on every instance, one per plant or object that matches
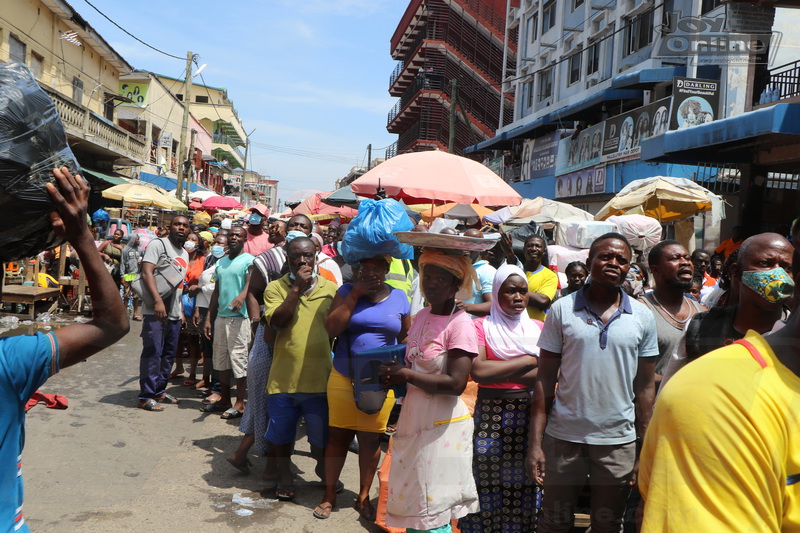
(759, 307)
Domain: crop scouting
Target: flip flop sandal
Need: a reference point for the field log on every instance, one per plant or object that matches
(323, 512)
(285, 493)
(212, 407)
(168, 398)
(209, 400)
(231, 414)
(244, 468)
(151, 405)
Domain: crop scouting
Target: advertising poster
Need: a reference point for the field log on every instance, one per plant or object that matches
(694, 102)
(583, 151)
(624, 133)
(539, 156)
(586, 181)
(137, 92)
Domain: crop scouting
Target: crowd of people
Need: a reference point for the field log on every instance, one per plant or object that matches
(516, 392)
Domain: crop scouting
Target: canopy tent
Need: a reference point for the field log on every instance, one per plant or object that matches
(141, 195)
(540, 210)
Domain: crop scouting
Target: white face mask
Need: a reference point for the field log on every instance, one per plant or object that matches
(189, 246)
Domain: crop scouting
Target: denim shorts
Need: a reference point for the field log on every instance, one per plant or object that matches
(285, 410)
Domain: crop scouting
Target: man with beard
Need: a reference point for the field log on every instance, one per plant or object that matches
(161, 325)
(600, 346)
(277, 233)
(672, 270)
(755, 311)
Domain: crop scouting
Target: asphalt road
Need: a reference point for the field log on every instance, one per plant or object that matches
(103, 465)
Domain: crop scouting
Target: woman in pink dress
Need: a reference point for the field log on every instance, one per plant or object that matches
(431, 480)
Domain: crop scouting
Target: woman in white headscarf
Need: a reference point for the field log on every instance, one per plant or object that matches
(505, 371)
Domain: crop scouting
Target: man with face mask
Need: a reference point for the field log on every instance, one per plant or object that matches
(761, 271)
(722, 452)
(258, 240)
(671, 267)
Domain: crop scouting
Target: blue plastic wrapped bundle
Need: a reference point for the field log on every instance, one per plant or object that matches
(371, 233)
(32, 143)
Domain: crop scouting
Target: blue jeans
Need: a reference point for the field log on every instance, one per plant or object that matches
(159, 344)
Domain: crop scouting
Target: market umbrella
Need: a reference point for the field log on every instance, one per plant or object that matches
(540, 210)
(222, 203)
(421, 177)
(195, 205)
(666, 199)
(313, 205)
(139, 194)
(469, 214)
(342, 197)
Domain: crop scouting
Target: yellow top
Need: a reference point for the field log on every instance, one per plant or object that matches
(301, 358)
(723, 449)
(544, 281)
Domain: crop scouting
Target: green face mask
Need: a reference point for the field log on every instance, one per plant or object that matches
(773, 285)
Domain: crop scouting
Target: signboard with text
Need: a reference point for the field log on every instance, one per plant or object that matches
(694, 102)
(539, 156)
(584, 150)
(590, 180)
(624, 133)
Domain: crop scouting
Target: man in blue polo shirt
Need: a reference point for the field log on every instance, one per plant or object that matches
(26, 362)
(605, 346)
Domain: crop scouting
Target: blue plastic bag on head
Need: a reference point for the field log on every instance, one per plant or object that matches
(371, 233)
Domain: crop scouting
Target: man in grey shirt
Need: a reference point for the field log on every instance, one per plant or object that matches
(604, 344)
(162, 321)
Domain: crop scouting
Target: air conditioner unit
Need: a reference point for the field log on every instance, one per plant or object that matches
(591, 82)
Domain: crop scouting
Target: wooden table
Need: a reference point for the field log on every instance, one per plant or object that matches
(23, 294)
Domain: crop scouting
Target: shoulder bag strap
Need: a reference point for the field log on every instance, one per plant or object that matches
(753, 351)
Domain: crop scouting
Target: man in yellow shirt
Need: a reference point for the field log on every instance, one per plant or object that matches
(722, 452)
(542, 282)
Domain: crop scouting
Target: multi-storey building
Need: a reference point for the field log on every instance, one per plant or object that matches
(447, 48)
(81, 73)
(258, 189)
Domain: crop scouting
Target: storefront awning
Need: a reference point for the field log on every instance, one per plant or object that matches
(647, 77)
(732, 140)
(576, 110)
(167, 183)
(110, 178)
(506, 139)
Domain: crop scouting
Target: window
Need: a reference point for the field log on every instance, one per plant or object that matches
(708, 5)
(201, 99)
(528, 91)
(575, 68)
(37, 65)
(592, 59)
(179, 97)
(77, 90)
(532, 28)
(548, 16)
(16, 49)
(638, 32)
(576, 4)
(108, 106)
(545, 84)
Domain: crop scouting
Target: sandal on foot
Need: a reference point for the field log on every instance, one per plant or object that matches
(213, 407)
(285, 493)
(365, 511)
(151, 405)
(323, 512)
(244, 468)
(212, 398)
(167, 398)
(191, 382)
(231, 413)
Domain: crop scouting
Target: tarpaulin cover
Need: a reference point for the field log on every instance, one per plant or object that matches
(32, 144)
(371, 233)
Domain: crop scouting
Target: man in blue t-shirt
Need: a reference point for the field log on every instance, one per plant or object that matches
(231, 331)
(26, 362)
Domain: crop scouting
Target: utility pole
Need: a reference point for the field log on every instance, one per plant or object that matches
(369, 156)
(187, 98)
(451, 143)
(189, 168)
(244, 170)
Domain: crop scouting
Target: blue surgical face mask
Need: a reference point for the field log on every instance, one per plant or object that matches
(293, 277)
(774, 285)
(255, 219)
(293, 235)
(217, 251)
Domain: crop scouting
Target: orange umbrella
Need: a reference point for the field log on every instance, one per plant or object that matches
(471, 213)
(313, 205)
(423, 177)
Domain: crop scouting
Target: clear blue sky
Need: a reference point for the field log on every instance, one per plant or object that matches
(308, 75)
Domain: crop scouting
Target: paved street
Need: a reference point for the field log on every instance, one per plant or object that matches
(104, 465)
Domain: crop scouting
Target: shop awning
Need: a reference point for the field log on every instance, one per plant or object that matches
(647, 77)
(734, 140)
(574, 111)
(167, 183)
(111, 178)
(506, 139)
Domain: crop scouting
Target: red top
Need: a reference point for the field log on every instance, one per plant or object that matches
(194, 270)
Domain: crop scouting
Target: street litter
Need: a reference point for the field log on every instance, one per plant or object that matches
(245, 501)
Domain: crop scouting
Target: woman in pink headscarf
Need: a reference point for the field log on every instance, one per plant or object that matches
(505, 371)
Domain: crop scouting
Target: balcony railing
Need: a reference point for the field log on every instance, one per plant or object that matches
(396, 73)
(224, 139)
(81, 122)
(784, 81)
